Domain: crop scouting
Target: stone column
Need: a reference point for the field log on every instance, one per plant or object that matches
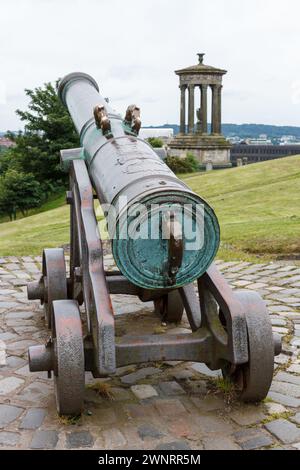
(191, 109)
(214, 110)
(182, 109)
(204, 108)
(219, 127)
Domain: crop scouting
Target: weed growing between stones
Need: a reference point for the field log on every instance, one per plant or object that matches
(103, 389)
(225, 386)
(69, 420)
(273, 416)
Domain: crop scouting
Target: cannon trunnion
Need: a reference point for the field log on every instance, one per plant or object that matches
(231, 330)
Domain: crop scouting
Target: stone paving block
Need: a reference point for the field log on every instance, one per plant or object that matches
(284, 399)
(251, 439)
(44, 440)
(275, 408)
(113, 438)
(296, 418)
(203, 369)
(149, 431)
(247, 415)
(170, 407)
(213, 424)
(13, 362)
(20, 346)
(256, 286)
(25, 372)
(208, 403)
(7, 305)
(36, 392)
(278, 321)
(284, 430)
(171, 388)
(2, 358)
(280, 330)
(286, 389)
(183, 374)
(144, 411)
(290, 378)
(175, 445)
(79, 439)
(220, 443)
(7, 336)
(33, 418)
(257, 443)
(22, 330)
(8, 414)
(10, 439)
(139, 375)
(122, 370)
(241, 283)
(143, 391)
(278, 308)
(295, 368)
(19, 315)
(10, 384)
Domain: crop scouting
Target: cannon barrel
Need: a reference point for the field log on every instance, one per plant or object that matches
(147, 198)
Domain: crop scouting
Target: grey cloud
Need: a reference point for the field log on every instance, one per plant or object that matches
(132, 49)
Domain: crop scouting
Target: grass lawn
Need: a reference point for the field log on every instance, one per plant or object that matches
(258, 207)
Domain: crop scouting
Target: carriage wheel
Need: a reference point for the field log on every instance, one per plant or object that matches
(170, 307)
(69, 372)
(253, 379)
(55, 280)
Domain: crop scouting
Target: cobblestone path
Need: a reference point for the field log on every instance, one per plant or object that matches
(157, 406)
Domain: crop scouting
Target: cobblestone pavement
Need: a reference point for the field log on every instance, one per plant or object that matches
(155, 406)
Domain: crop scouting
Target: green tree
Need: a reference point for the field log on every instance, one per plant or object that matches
(48, 128)
(18, 192)
(155, 142)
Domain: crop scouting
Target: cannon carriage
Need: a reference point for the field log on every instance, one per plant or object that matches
(173, 266)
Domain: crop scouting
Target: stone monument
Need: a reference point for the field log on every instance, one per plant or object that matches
(205, 146)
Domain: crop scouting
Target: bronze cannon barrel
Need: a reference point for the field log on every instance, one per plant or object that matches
(127, 173)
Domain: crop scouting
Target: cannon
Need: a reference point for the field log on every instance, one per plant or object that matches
(164, 239)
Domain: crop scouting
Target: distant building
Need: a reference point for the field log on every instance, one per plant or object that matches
(288, 140)
(242, 154)
(5, 142)
(163, 133)
(261, 140)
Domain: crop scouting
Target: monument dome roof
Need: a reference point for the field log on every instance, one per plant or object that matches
(200, 68)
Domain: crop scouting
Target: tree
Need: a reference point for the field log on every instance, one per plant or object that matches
(48, 129)
(18, 192)
(155, 142)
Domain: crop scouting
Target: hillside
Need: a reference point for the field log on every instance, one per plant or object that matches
(248, 130)
(258, 208)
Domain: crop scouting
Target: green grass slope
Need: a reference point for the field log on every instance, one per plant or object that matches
(258, 207)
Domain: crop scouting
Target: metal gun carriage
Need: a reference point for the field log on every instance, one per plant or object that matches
(231, 330)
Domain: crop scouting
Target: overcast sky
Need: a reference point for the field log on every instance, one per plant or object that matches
(133, 47)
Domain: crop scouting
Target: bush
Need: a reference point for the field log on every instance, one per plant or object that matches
(155, 142)
(18, 192)
(189, 164)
